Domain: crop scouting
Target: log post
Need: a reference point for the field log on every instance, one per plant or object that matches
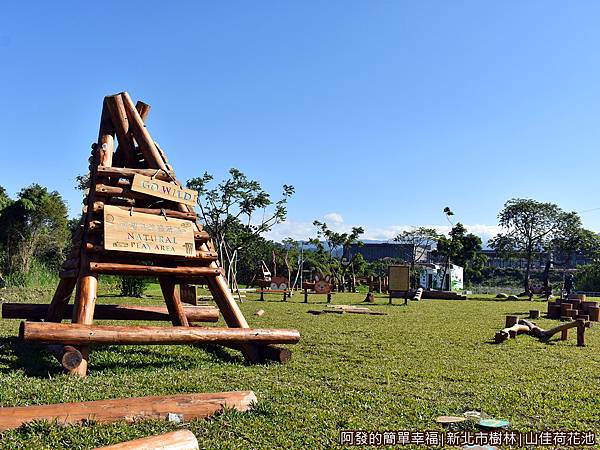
(106, 140)
(61, 298)
(564, 335)
(68, 357)
(511, 320)
(83, 312)
(305, 295)
(580, 333)
(169, 290)
(142, 136)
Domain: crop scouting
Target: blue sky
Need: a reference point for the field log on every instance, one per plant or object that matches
(379, 113)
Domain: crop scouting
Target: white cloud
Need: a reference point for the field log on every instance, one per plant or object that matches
(334, 217)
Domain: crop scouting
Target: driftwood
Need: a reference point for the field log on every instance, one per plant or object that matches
(176, 440)
(545, 335)
(511, 332)
(76, 334)
(526, 326)
(185, 406)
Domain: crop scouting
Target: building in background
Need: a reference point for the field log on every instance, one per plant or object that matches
(375, 251)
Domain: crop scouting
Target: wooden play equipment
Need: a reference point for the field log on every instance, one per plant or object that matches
(269, 284)
(138, 220)
(515, 326)
(176, 440)
(320, 286)
(184, 407)
(574, 307)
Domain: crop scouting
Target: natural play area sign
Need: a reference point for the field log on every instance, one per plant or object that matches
(162, 189)
(146, 233)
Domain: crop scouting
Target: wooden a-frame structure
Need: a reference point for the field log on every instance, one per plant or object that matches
(112, 171)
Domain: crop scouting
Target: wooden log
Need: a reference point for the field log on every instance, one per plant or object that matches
(186, 406)
(68, 357)
(269, 352)
(511, 332)
(580, 333)
(83, 310)
(575, 302)
(176, 440)
(122, 172)
(572, 313)
(168, 286)
(66, 274)
(98, 207)
(585, 317)
(121, 124)
(34, 311)
(554, 311)
(139, 270)
(106, 140)
(534, 314)
(564, 335)
(511, 320)
(594, 313)
(142, 136)
(61, 298)
(564, 307)
(205, 257)
(76, 334)
(188, 294)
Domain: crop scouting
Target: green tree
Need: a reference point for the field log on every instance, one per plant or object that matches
(463, 249)
(229, 212)
(337, 241)
(421, 240)
(34, 226)
(529, 228)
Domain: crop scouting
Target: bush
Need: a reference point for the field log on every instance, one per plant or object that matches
(133, 286)
(587, 278)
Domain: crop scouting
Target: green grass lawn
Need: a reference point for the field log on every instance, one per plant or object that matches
(392, 372)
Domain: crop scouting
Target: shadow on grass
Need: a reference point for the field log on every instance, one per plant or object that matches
(30, 358)
(35, 361)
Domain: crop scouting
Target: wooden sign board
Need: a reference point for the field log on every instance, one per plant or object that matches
(187, 293)
(127, 231)
(399, 279)
(164, 190)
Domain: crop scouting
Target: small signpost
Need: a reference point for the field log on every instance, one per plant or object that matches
(146, 233)
(162, 189)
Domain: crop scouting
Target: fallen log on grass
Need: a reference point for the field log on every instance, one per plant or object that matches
(511, 332)
(68, 357)
(185, 406)
(33, 311)
(78, 334)
(176, 440)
